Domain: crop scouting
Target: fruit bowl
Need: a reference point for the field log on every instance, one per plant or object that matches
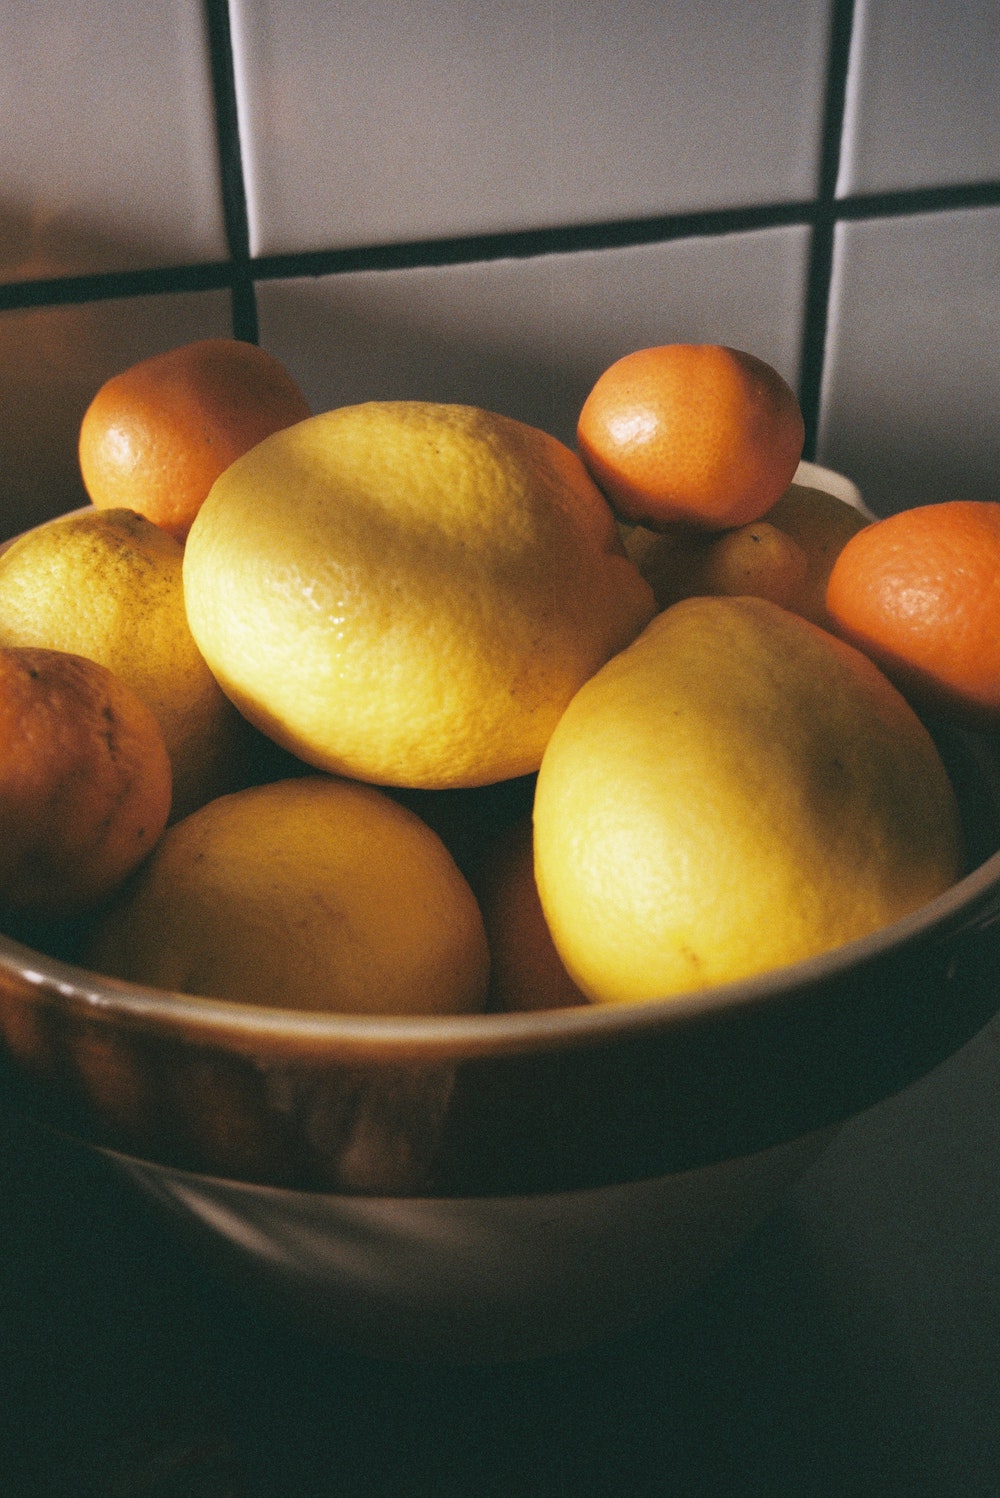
(496, 1186)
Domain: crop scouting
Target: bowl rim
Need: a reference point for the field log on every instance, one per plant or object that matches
(972, 900)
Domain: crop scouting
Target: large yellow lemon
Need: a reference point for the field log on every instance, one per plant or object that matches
(107, 585)
(409, 593)
(316, 893)
(733, 792)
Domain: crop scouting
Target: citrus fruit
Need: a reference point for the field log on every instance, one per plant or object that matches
(316, 893)
(409, 593)
(155, 437)
(820, 524)
(107, 584)
(756, 559)
(691, 432)
(787, 556)
(920, 593)
(526, 971)
(84, 781)
(735, 791)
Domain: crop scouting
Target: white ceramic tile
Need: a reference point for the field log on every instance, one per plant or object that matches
(910, 396)
(52, 361)
(923, 99)
(528, 337)
(109, 156)
(370, 121)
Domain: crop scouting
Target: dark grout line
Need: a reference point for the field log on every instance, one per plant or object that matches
(234, 203)
(919, 200)
(240, 278)
(528, 243)
(820, 269)
(107, 285)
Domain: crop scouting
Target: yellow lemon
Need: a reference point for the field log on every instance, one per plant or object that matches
(409, 593)
(821, 524)
(107, 585)
(787, 556)
(733, 792)
(316, 893)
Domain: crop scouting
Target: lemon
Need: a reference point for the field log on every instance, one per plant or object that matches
(316, 893)
(787, 556)
(821, 524)
(733, 792)
(409, 593)
(107, 585)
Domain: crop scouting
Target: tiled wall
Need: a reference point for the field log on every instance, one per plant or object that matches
(490, 202)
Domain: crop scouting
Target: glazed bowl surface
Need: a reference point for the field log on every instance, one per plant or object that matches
(500, 1185)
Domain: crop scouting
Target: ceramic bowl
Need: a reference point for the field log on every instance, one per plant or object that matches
(500, 1185)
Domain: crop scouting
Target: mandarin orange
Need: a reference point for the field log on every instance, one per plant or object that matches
(84, 781)
(156, 437)
(691, 432)
(919, 592)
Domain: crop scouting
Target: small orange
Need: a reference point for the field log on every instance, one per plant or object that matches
(919, 592)
(84, 781)
(156, 437)
(526, 971)
(691, 432)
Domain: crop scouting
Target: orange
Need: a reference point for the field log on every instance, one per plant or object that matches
(84, 781)
(156, 437)
(919, 592)
(526, 971)
(691, 432)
